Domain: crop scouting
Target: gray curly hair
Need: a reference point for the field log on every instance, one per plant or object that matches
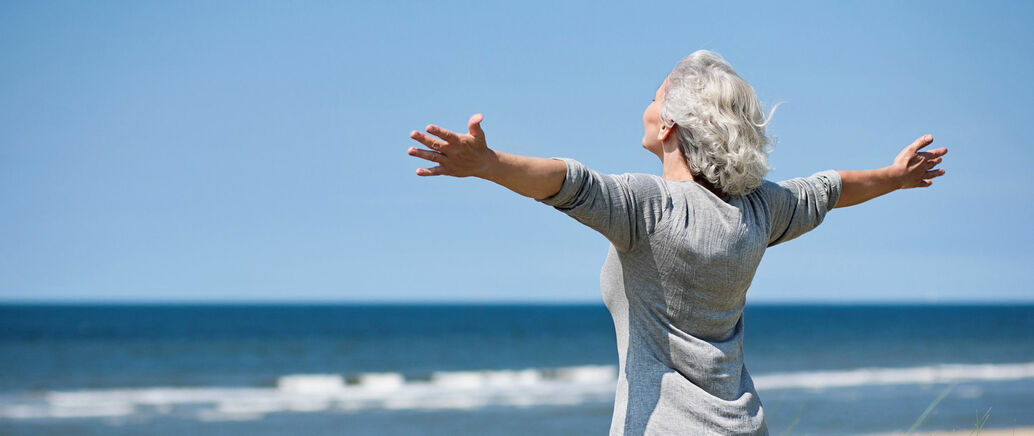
(718, 121)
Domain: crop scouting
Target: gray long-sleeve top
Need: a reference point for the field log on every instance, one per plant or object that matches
(675, 282)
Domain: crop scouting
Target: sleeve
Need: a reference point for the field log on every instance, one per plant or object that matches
(799, 205)
(624, 208)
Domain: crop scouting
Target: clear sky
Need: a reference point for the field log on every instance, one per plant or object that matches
(257, 150)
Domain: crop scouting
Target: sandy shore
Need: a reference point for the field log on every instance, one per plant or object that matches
(1018, 431)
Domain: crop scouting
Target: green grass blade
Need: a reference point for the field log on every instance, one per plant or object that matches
(929, 409)
(981, 421)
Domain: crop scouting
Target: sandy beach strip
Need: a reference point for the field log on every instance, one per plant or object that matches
(1017, 431)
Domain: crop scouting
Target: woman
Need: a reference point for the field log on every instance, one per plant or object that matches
(685, 245)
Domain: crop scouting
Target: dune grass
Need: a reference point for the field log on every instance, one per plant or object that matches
(929, 409)
(977, 427)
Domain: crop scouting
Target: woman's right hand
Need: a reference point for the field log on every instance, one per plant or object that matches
(914, 168)
(468, 155)
(456, 155)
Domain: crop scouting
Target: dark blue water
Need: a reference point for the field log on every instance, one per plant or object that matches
(792, 338)
(47, 348)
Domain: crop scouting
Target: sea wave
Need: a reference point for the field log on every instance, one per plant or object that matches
(327, 392)
(437, 391)
(945, 373)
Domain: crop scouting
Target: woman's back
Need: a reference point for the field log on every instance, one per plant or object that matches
(675, 282)
(682, 258)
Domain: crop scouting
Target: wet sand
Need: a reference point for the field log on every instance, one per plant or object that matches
(1018, 431)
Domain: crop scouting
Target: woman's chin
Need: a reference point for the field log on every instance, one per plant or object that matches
(647, 147)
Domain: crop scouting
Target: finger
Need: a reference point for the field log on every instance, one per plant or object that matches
(930, 155)
(432, 143)
(919, 143)
(432, 156)
(445, 134)
(435, 171)
(933, 173)
(474, 126)
(924, 183)
(933, 154)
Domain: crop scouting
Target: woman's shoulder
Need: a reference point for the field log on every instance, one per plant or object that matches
(770, 192)
(645, 186)
(767, 187)
(634, 180)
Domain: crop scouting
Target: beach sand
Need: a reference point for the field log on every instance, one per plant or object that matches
(1018, 431)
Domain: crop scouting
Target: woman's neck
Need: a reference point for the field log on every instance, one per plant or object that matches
(676, 169)
(673, 163)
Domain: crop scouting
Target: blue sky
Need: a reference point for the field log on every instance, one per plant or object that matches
(210, 151)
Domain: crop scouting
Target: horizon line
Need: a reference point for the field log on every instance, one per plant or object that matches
(449, 302)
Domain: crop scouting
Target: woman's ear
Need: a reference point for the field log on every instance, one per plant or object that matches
(665, 132)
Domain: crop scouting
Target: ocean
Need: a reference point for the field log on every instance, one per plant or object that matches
(486, 369)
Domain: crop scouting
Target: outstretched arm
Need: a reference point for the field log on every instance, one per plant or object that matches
(468, 155)
(911, 169)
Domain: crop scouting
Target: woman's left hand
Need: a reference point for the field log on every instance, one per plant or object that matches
(911, 169)
(914, 168)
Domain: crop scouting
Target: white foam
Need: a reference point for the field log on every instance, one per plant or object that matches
(322, 392)
(486, 379)
(443, 390)
(387, 381)
(895, 376)
(208, 415)
(457, 380)
(588, 374)
(310, 384)
(513, 378)
(106, 409)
